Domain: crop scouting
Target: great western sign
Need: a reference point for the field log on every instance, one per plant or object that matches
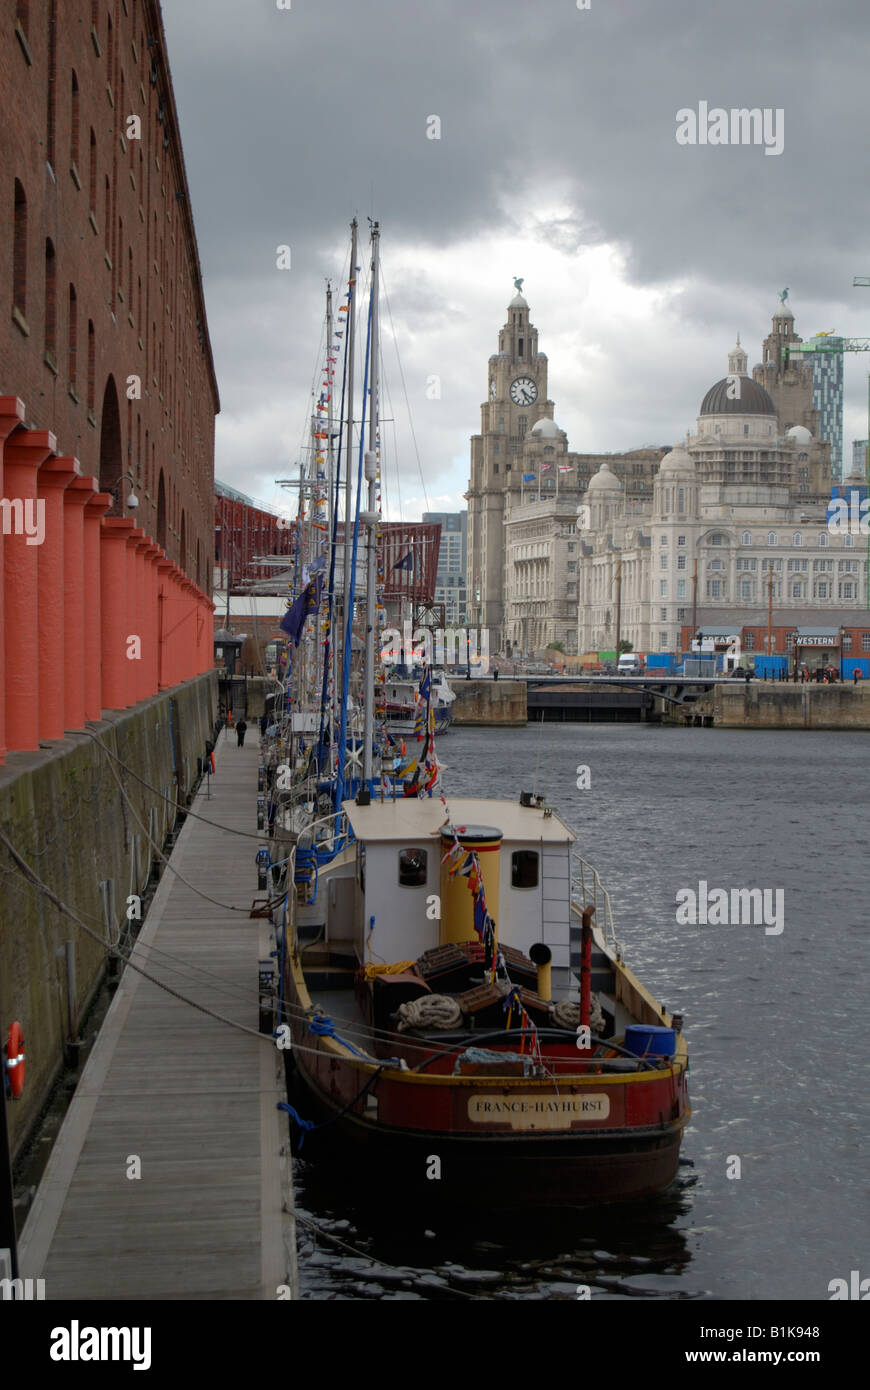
(538, 1112)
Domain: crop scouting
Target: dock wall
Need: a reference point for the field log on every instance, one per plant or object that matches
(780, 705)
(63, 811)
(501, 703)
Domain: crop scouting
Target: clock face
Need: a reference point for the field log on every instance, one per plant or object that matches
(523, 391)
(492, 389)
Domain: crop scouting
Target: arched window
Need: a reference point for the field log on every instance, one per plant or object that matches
(19, 252)
(746, 538)
(797, 538)
(111, 466)
(72, 337)
(161, 511)
(74, 124)
(92, 175)
(50, 299)
(823, 538)
(92, 362)
(771, 538)
(848, 540)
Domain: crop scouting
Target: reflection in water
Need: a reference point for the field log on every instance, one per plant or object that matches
(629, 1250)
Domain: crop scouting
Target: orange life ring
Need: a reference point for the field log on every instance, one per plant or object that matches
(15, 1059)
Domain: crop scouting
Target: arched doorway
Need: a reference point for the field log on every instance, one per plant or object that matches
(161, 512)
(110, 438)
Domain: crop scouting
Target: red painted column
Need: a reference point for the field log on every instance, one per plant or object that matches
(114, 536)
(210, 624)
(23, 456)
(188, 597)
(11, 416)
(152, 555)
(143, 570)
(164, 569)
(95, 509)
(142, 548)
(203, 617)
(178, 626)
(75, 610)
(133, 622)
(52, 481)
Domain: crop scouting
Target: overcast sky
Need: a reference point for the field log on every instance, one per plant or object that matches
(557, 162)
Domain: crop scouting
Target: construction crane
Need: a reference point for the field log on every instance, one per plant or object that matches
(844, 345)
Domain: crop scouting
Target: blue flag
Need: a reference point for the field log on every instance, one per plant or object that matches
(528, 477)
(307, 603)
(406, 562)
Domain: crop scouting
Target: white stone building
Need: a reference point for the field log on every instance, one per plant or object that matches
(725, 515)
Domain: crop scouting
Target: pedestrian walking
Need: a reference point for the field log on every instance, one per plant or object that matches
(856, 676)
(241, 729)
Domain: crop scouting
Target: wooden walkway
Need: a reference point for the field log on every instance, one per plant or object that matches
(195, 1100)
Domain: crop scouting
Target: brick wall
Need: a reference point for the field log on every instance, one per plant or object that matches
(115, 212)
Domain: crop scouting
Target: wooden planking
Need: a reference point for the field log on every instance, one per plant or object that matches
(211, 1215)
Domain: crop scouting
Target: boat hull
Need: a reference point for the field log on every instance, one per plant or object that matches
(503, 1169)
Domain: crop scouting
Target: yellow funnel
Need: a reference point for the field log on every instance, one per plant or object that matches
(457, 903)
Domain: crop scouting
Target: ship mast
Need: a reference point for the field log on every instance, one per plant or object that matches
(348, 482)
(371, 466)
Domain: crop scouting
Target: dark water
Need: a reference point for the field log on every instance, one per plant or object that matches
(778, 1028)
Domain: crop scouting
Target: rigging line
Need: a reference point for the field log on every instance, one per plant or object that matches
(128, 960)
(113, 950)
(389, 396)
(158, 792)
(385, 1264)
(405, 392)
(348, 617)
(229, 907)
(328, 657)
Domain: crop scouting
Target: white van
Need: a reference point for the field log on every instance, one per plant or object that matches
(629, 665)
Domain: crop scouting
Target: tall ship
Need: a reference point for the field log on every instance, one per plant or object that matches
(455, 994)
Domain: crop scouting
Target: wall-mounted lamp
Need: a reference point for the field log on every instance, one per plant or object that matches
(132, 500)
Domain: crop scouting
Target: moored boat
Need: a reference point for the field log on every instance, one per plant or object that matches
(457, 1000)
(452, 1000)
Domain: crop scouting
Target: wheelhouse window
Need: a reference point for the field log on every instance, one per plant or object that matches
(412, 867)
(524, 868)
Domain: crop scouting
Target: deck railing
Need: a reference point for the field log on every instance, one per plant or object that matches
(588, 890)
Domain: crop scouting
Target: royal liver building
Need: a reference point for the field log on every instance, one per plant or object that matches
(523, 494)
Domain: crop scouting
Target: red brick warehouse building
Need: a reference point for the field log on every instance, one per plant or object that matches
(104, 348)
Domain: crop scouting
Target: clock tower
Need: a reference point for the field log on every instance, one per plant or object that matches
(516, 400)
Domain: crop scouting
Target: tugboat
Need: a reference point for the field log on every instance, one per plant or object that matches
(451, 996)
(457, 1001)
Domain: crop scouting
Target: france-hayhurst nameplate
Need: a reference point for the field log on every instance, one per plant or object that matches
(538, 1112)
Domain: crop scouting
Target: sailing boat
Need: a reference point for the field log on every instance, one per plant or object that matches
(452, 980)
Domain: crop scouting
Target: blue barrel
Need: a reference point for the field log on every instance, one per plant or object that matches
(650, 1040)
